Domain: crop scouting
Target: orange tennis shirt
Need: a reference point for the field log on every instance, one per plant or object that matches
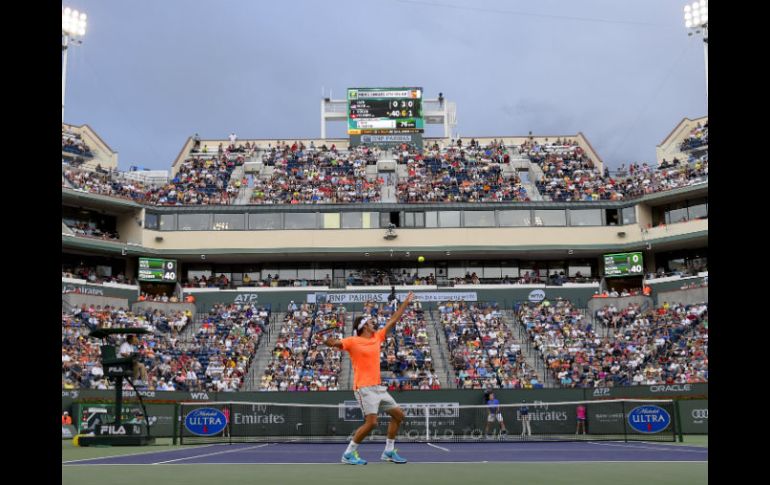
(365, 356)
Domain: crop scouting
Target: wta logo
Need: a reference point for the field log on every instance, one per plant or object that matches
(205, 422)
(649, 419)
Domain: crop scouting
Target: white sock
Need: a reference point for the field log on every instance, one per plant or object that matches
(352, 446)
(389, 444)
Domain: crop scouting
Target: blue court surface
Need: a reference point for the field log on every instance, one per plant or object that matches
(330, 453)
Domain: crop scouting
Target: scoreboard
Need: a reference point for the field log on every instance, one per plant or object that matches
(157, 270)
(623, 264)
(385, 111)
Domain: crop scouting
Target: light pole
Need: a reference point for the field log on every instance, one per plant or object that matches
(73, 26)
(696, 19)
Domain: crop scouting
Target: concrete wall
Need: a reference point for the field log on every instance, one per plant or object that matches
(619, 302)
(76, 300)
(414, 239)
(686, 297)
(166, 308)
(669, 147)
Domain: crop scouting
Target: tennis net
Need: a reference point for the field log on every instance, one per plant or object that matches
(247, 422)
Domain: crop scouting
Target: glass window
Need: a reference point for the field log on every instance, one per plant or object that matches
(287, 274)
(194, 222)
(384, 219)
(590, 217)
(305, 273)
(493, 272)
(331, 220)
(456, 272)
(479, 218)
(698, 211)
(510, 270)
(514, 218)
(151, 221)
(550, 218)
(273, 272)
(322, 273)
(431, 219)
(424, 271)
(265, 221)
(414, 219)
(168, 222)
(229, 222)
(676, 213)
(575, 269)
(629, 215)
(370, 220)
(449, 218)
(351, 220)
(300, 220)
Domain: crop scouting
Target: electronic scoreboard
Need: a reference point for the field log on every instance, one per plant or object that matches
(157, 270)
(385, 111)
(623, 264)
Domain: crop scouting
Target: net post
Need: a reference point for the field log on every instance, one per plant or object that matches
(175, 426)
(427, 422)
(678, 422)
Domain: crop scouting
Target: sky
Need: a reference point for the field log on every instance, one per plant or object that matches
(151, 73)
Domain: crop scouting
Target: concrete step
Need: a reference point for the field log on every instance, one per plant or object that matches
(440, 352)
(264, 353)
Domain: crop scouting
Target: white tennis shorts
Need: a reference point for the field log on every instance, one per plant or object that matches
(491, 417)
(372, 399)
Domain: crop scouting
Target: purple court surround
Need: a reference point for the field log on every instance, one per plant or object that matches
(297, 453)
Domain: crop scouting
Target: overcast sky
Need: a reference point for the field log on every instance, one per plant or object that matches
(151, 73)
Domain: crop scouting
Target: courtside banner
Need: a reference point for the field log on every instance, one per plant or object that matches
(383, 297)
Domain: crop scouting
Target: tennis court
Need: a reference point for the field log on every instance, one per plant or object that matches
(446, 463)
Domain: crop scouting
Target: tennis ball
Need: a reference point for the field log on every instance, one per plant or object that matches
(421, 259)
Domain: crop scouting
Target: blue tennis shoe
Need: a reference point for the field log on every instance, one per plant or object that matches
(353, 459)
(392, 456)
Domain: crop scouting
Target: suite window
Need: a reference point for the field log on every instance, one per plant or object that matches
(515, 218)
(591, 217)
(479, 218)
(550, 218)
(629, 215)
(449, 218)
(151, 221)
(265, 221)
(194, 222)
(229, 222)
(168, 222)
(300, 220)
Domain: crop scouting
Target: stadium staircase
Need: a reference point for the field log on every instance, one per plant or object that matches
(244, 195)
(531, 355)
(264, 353)
(439, 349)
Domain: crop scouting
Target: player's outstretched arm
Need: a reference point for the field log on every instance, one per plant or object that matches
(333, 342)
(401, 309)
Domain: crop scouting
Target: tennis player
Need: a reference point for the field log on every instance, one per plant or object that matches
(364, 350)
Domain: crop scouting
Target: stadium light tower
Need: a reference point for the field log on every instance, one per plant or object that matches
(73, 26)
(696, 19)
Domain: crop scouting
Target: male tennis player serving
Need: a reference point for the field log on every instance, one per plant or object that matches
(364, 350)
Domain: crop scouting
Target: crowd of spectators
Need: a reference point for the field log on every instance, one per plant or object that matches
(667, 345)
(72, 142)
(570, 175)
(199, 181)
(91, 229)
(215, 359)
(698, 136)
(91, 274)
(484, 353)
(300, 362)
(455, 174)
(309, 176)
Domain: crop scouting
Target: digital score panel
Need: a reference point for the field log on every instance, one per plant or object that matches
(623, 264)
(385, 111)
(157, 270)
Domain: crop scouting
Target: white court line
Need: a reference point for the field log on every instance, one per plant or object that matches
(412, 462)
(439, 447)
(140, 453)
(211, 454)
(646, 447)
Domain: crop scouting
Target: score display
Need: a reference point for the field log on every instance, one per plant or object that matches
(623, 264)
(385, 110)
(157, 270)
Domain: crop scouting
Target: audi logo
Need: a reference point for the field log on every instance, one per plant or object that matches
(700, 413)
